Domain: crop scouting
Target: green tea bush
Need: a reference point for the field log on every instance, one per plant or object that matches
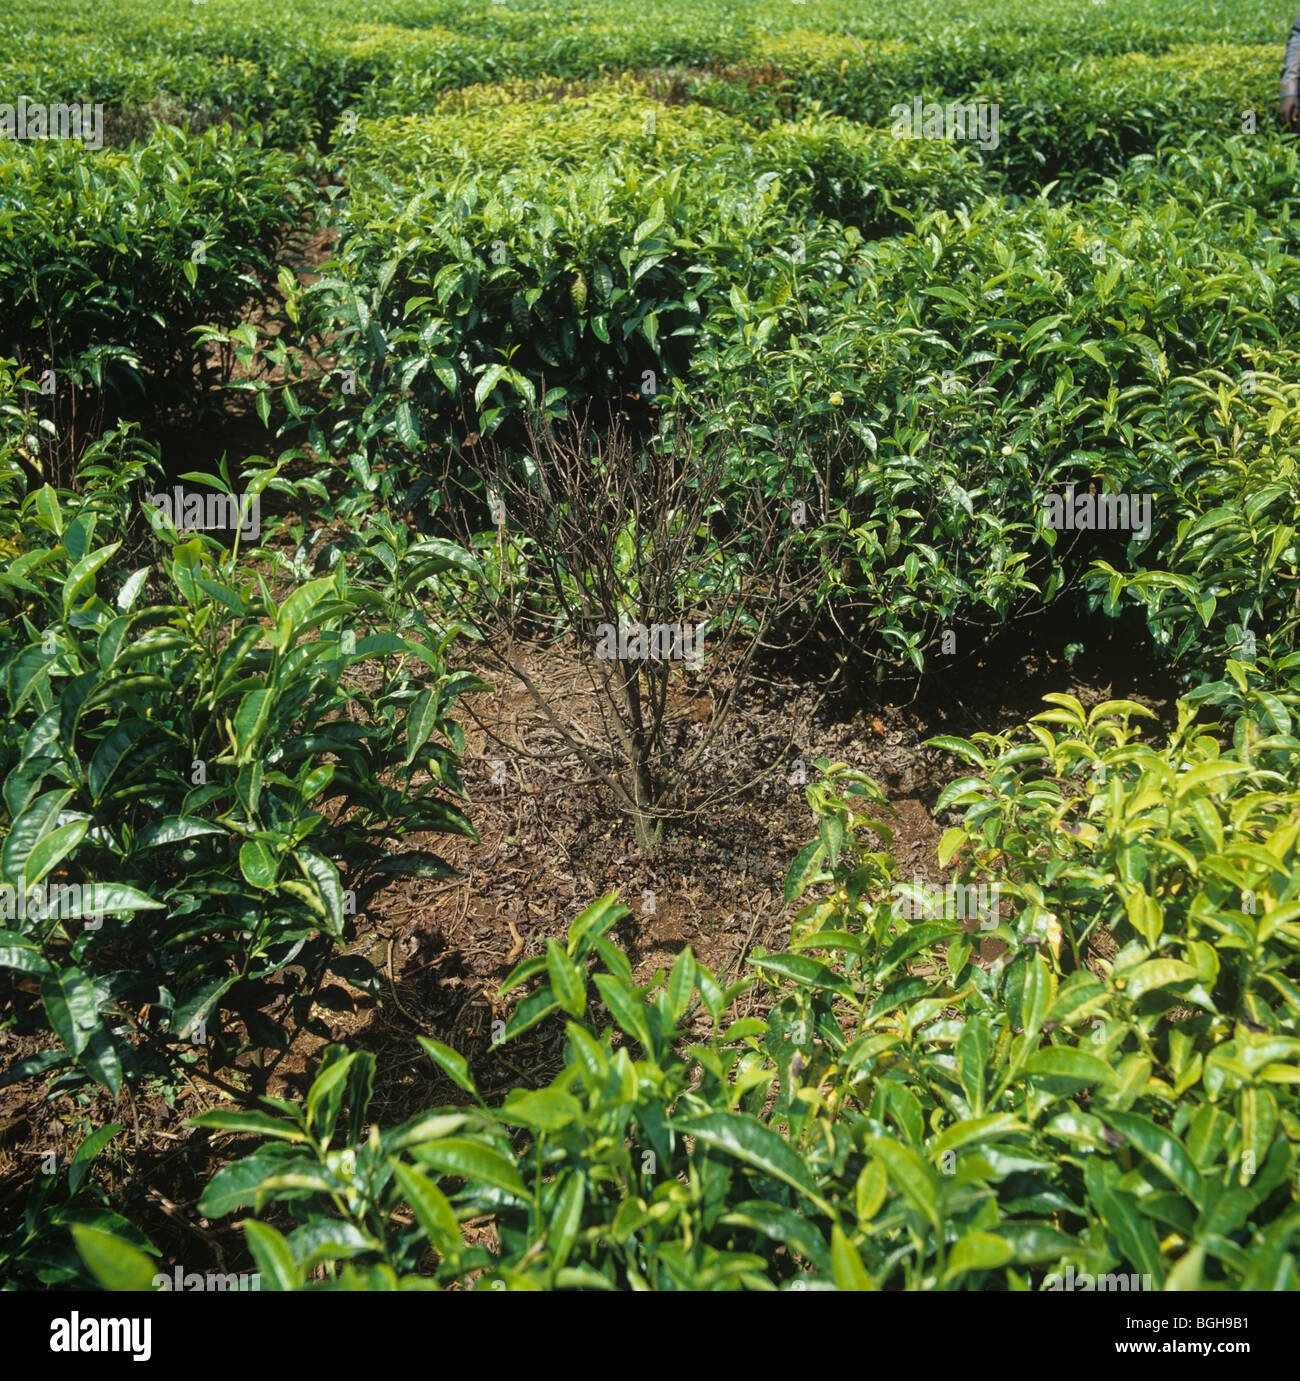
(40, 1251)
(1082, 120)
(187, 763)
(500, 129)
(988, 358)
(109, 260)
(1072, 107)
(1222, 580)
(458, 304)
(1225, 583)
(579, 260)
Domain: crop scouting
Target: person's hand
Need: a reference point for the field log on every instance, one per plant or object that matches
(1288, 111)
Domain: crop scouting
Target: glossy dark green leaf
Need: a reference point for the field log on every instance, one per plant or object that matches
(803, 869)
(1163, 1150)
(274, 1258)
(566, 1218)
(806, 972)
(472, 1161)
(978, 1251)
(72, 1007)
(626, 1010)
(748, 1140)
(86, 1153)
(546, 1109)
(909, 1174)
(1064, 1062)
(432, 1210)
(454, 1065)
(248, 1120)
(567, 982)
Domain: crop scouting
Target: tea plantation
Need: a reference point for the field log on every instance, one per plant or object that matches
(443, 441)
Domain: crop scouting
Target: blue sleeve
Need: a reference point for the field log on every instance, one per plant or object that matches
(1291, 62)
